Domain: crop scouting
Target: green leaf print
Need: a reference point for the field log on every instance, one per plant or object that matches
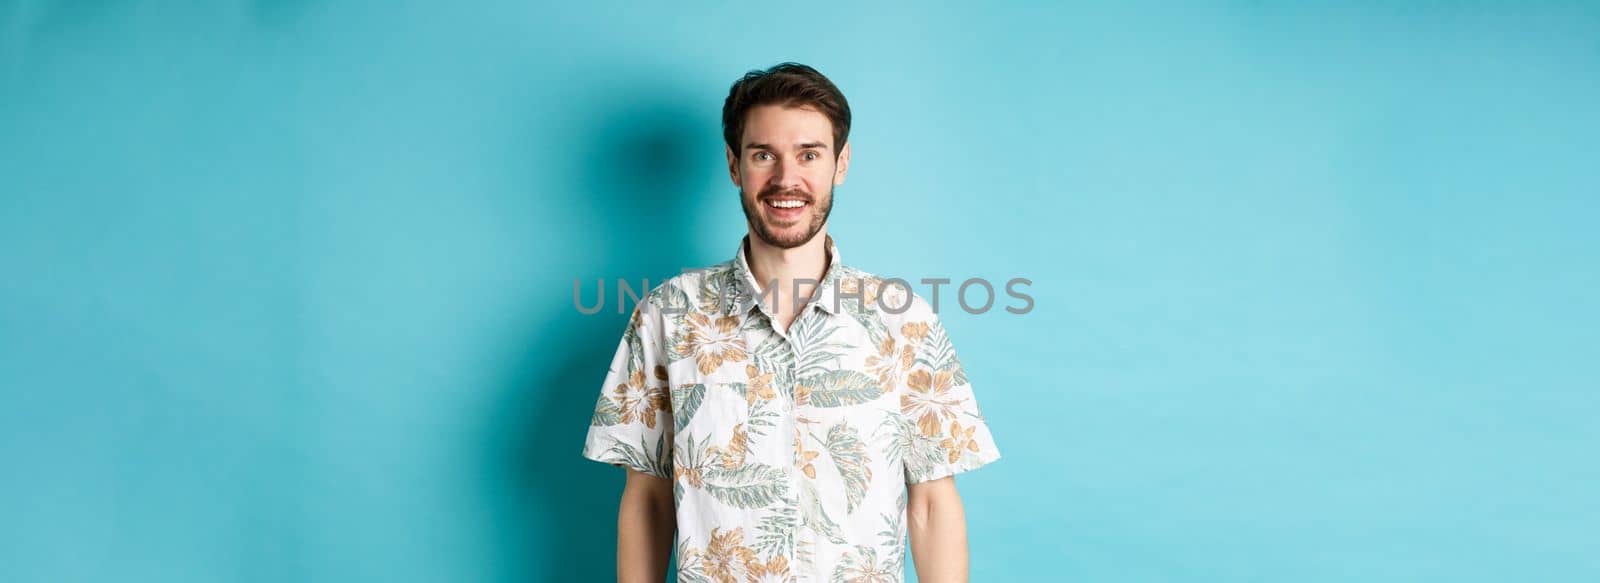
(921, 454)
(894, 531)
(862, 565)
(691, 566)
(850, 456)
(686, 400)
(772, 354)
(840, 388)
(777, 530)
(717, 289)
(939, 354)
(674, 306)
(760, 421)
(606, 412)
(888, 432)
(658, 463)
(813, 516)
(813, 352)
(748, 486)
(671, 300)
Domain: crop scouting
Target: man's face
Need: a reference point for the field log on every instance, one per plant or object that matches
(786, 172)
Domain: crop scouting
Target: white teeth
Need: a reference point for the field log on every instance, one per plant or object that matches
(787, 204)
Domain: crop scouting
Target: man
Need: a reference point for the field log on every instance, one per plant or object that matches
(791, 417)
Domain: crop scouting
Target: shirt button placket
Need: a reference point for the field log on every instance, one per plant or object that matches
(802, 535)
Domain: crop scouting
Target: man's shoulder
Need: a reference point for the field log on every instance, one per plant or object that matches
(688, 287)
(893, 298)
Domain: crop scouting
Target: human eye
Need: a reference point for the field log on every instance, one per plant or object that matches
(809, 155)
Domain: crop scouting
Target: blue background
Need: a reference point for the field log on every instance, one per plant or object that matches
(288, 285)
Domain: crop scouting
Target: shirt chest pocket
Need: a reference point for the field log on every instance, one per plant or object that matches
(731, 425)
(717, 405)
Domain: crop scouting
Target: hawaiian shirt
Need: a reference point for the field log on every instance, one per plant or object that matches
(789, 450)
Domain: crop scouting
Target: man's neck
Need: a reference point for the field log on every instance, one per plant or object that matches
(769, 265)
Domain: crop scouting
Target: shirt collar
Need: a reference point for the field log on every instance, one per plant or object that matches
(825, 294)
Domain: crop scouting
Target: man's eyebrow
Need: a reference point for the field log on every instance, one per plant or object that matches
(755, 146)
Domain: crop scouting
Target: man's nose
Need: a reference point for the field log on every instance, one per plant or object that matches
(787, 175)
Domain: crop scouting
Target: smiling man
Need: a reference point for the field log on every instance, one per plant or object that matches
(783, 416)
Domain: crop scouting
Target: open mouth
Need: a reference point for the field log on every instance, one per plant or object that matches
(786, 208)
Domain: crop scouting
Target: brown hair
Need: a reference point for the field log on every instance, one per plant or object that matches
(787, 85)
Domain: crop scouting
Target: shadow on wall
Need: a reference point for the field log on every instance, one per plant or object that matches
(639, 180)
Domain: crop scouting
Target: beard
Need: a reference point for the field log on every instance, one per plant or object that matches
(783, 238)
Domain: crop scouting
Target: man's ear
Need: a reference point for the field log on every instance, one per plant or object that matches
(844, 165)
(733, 164)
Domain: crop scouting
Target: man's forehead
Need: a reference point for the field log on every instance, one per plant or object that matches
(775, 126)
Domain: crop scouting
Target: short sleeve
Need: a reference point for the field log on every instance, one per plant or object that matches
(632, 422)
(942, 428)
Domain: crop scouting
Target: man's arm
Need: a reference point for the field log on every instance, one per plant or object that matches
(938, 528)
(645, 526)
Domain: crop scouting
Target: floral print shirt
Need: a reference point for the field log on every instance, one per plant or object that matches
(789, 450)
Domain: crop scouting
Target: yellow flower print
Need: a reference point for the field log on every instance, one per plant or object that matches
(914, 331)
(726, 557)
(803, 457)
(856, 287)
(871, 292)
(759, 386)
(774, 570)
(636, 402)
(802, 395)
(712, 341)
(695, 476)
(929, 400)
(733, 456)
(887, 366)
(960, 439)
(862, 566)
